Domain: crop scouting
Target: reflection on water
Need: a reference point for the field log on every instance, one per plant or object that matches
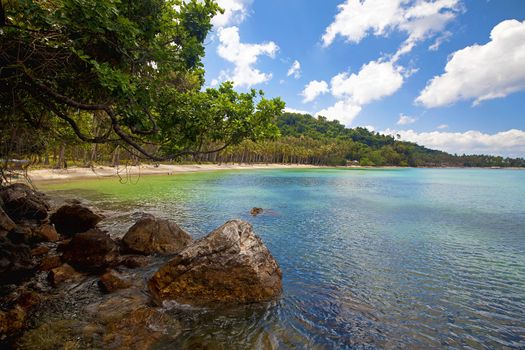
(412, 258)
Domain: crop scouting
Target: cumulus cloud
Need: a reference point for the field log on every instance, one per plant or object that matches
(314, 89)
(405, 120)
(442, 126)
(244, 57)
(419, 19)
(374, 81)
(481, 72)
(295, 70)
(509, 143)
(235, 11)
(345, 111)
(293, 110)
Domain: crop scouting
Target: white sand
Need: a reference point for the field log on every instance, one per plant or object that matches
(40, 175)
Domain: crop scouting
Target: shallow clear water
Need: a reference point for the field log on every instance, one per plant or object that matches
(408, 258)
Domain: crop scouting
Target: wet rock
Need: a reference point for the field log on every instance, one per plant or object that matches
(112, 281)
(51, 335)
(16, 263)
(50, 262)
(39, 251)
(21, 202)
(91, 251)
(256, 211)
(63, 273)
(46, 233)
(6, 224)
(230, 265)
(134, 261)
(151, 235)
(74, 218)
(30, 232)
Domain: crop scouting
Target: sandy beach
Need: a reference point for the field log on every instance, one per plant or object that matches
(42, 175)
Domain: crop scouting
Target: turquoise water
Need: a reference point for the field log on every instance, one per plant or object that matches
(405, 258)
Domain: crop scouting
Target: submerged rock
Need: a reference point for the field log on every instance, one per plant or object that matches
(230, 265)
(74, 218)
(256, 211)
(91, 251)
(151, 235)
(112, 281)
(21, 202)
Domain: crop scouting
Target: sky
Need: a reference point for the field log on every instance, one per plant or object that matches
(447, 74)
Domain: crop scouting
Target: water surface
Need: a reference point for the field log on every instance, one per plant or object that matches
(402, 258)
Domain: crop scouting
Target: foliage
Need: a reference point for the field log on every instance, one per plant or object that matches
(119, 72)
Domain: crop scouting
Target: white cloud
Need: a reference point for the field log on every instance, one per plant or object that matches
(295, 70)
(345, 111)
(314, 89)
(293, 110)
(439, 41)
(243, 56)
(405, 120)
(509, 143)
(442, 126)
(419, 19)
(374, 81)
(482, 72)
(235, 11)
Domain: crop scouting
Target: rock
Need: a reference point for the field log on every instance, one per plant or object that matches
(50, 262)
(46, 233)
(134, 261)
(62, 274)
(91, 251)
(112, 281)
(15, 262)
(40, 250)
(151, 235)
(6, 224)
(29, 232)
(230, 265)
(74, 218)
(140, 329)
(256, 211)
(12, 321)
(21, 202)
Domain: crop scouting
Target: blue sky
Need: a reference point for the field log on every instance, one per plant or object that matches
(448, 74)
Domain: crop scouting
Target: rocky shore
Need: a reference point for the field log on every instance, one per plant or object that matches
(57, 264)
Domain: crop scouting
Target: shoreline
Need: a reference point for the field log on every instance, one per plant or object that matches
(99, 172)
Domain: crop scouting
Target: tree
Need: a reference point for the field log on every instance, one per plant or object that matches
(134, 65)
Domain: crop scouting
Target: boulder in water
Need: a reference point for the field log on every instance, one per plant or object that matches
(230, 265)
(91, 251)
(74, 218)
(151, 235)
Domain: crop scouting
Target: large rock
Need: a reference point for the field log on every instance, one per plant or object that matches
(230, 265)
(91, 251)
(151, 235)
(21, 202)
(74, 218)
(6, 224)
(16, 262)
